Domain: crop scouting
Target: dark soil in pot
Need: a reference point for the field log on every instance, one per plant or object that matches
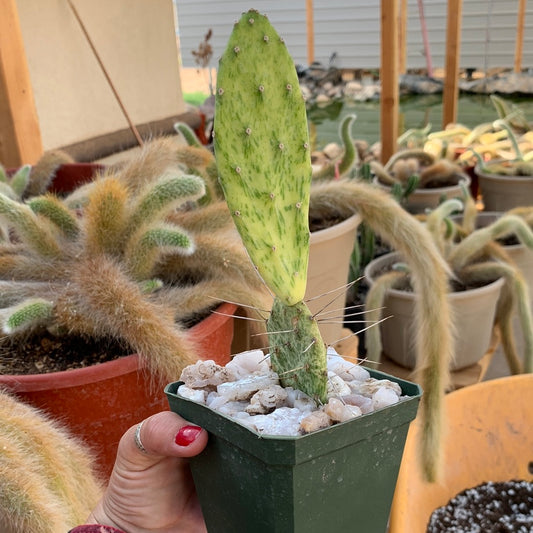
(43, 352)
(492, 507)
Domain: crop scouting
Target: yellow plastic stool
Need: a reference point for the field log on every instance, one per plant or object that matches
(489, 438)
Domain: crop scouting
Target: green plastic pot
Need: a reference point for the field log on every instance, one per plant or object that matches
(337, 479)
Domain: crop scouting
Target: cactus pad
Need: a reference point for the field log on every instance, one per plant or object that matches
(262, 153)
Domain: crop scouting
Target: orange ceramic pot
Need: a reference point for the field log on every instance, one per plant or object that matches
(100, 402)
(488, 437)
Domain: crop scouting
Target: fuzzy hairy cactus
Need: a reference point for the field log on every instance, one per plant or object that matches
(263, 157)
(130, 267)
(48, 478)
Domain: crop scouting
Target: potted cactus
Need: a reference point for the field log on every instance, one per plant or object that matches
(419, 180)
(54, 172)
(127, 269)
(506, 183)
(487, 286)
(48, 477)
(262, 153)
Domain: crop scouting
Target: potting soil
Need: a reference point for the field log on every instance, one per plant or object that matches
(492, 507)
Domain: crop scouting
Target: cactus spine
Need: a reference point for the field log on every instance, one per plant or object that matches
(263, 157)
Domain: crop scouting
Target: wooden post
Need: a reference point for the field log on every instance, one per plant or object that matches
(390, 97)
(451, 79)
(402, 38)
(20, 136)
(519, 44)
(310, 31)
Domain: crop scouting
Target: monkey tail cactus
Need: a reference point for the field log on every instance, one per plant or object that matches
(263, 157)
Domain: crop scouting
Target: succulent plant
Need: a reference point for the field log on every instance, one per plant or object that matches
(520, 165)
(111, 260)
(263, 157)
(342, 165)
(262, 154)
(475, 257)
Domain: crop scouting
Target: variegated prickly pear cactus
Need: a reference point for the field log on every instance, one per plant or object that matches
(263, 158)
(262, 153)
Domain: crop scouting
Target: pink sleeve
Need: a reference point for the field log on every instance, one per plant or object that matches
(95, 528)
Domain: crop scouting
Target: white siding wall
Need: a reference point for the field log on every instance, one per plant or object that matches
(351, 29)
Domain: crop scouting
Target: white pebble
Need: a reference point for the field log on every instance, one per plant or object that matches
(315, 421)
(298, 399)
(346, 370)
(283, 421)
(363, 402)
(337, 386)
(215, 401)
(232, 408)
(384, 397)
(195, 395)
(371, 385)
(205, 373)
(340, 412)
(244, 388)
(266, 400)
(251, 362)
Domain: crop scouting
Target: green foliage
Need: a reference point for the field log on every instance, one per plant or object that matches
(27, 315)
(349, 157)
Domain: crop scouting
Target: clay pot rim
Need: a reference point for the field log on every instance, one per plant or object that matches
(109, 369)
(411, 295)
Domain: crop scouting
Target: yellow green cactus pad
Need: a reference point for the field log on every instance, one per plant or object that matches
(262, 153)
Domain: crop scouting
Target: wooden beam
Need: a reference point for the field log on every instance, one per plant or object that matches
(402, 38)
(451, 79)
(20, 136)
(519, 44)
(390, 96)
(310, 31)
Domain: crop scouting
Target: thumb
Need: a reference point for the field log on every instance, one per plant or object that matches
(164, 434)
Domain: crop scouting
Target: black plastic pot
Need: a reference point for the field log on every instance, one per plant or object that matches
(338, 479)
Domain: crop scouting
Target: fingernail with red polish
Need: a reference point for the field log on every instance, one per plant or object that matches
(187, 435)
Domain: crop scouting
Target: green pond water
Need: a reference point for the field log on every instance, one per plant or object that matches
(415, 112)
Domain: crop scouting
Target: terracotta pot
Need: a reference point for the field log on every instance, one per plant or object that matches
(327, 275)
(502, 193)
(100, 402)
(488, 437)
(473, 310)
(69, 176)
(422, 199)
(72, 175)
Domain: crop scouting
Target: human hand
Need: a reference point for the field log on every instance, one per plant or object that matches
(153, 490)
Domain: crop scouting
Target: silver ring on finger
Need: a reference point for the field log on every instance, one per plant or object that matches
(137, 438)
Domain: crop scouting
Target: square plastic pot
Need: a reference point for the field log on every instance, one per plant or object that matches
(337, 479)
